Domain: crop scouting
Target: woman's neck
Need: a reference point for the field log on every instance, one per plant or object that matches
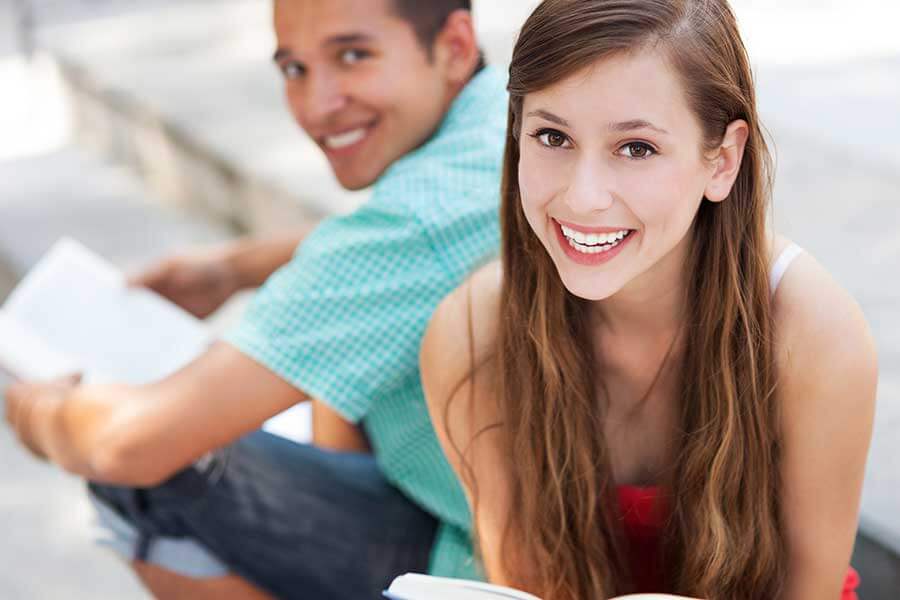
(652, 305)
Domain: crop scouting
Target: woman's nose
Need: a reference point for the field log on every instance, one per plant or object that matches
(590, 189)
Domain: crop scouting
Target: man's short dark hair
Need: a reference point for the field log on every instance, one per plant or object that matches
(428, 17)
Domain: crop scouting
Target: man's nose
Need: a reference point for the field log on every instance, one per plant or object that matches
(324, 97)
(590, 189)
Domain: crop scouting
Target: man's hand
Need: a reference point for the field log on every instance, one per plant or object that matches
(139, 436)
(25, 400)
(200, 282)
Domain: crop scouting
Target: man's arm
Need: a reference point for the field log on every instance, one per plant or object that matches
(202, 280)
(332, 432)
(253, 261)
(141, 436)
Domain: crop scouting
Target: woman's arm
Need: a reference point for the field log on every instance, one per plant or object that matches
(828, 378)
(461, 406)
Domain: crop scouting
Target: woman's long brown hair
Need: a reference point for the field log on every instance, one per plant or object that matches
(723, 536)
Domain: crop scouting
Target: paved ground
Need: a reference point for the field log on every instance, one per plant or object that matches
(832, 111)
(9, 30)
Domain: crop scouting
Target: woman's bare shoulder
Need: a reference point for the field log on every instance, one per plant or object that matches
(810, 308)
(463, 329)
(467, 318)
(822, 341)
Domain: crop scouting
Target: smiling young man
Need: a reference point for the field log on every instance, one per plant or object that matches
(396, 95)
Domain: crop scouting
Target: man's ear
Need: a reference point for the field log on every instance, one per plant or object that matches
(727, 161)
(456, 48)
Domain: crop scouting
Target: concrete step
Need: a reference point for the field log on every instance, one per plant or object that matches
(187, 96)
(73, 192)
(879, 569)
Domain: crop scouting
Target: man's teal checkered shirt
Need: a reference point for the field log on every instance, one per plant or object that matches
(344, 320)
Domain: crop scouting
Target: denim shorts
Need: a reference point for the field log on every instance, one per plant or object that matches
(295, 520)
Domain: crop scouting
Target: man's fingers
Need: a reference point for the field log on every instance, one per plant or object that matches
(11, 394)
(153, 277)
(14, 394)
(68, 380)
(20, 395)
(21, 401)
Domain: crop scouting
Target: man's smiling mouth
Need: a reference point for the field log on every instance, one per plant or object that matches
(348, 138)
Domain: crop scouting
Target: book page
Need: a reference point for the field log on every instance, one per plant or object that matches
(413, 586)
(80, 308)
(73, 313)
(26, 357)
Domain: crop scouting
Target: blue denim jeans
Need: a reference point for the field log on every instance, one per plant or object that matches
(295, 520)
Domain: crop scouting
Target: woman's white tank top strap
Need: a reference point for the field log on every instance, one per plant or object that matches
(782, 264)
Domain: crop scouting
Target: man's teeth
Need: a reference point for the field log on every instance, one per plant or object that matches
(336, 142)
(594, 243)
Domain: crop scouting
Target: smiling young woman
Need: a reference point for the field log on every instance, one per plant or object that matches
(657, 393)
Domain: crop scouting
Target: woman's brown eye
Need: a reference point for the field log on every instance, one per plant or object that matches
(551, 139)
(639, 150)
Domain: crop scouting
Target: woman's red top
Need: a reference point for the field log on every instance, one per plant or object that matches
(644, 515)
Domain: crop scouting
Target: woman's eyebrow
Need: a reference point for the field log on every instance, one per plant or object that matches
(619, 127)
(626, 126)
(549, 116)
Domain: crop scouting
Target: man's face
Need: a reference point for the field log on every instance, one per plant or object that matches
(359, 83)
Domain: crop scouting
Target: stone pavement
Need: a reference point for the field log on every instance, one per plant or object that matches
(161, 85)
(45, 550)
(86, 198)
(9, 29)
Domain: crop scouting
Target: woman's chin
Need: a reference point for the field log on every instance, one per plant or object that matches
(590, 290)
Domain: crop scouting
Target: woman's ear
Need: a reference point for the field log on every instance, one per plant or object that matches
(728, 161)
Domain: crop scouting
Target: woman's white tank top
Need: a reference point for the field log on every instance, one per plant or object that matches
(782, 264)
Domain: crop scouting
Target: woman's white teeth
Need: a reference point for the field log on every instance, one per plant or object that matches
(593, 249)
(336, 142)
(592, 243)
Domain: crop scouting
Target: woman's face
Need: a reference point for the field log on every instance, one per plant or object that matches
(612, 173)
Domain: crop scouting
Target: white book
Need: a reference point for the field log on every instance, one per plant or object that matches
(74, 313)
(413, 586)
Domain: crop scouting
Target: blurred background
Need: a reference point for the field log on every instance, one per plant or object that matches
(141, 127)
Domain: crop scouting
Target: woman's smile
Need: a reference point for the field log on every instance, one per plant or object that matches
(591, 246)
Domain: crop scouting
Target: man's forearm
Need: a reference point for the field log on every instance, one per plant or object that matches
(140, 436)
(253, 261)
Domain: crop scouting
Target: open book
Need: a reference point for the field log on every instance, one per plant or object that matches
(425, 587)
(74, 313)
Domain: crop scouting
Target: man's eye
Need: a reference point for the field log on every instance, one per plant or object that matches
(551, 138)
(293, 70)
(637, 150)
(353, 56)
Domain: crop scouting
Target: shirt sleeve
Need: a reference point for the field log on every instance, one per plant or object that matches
(343, 321)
